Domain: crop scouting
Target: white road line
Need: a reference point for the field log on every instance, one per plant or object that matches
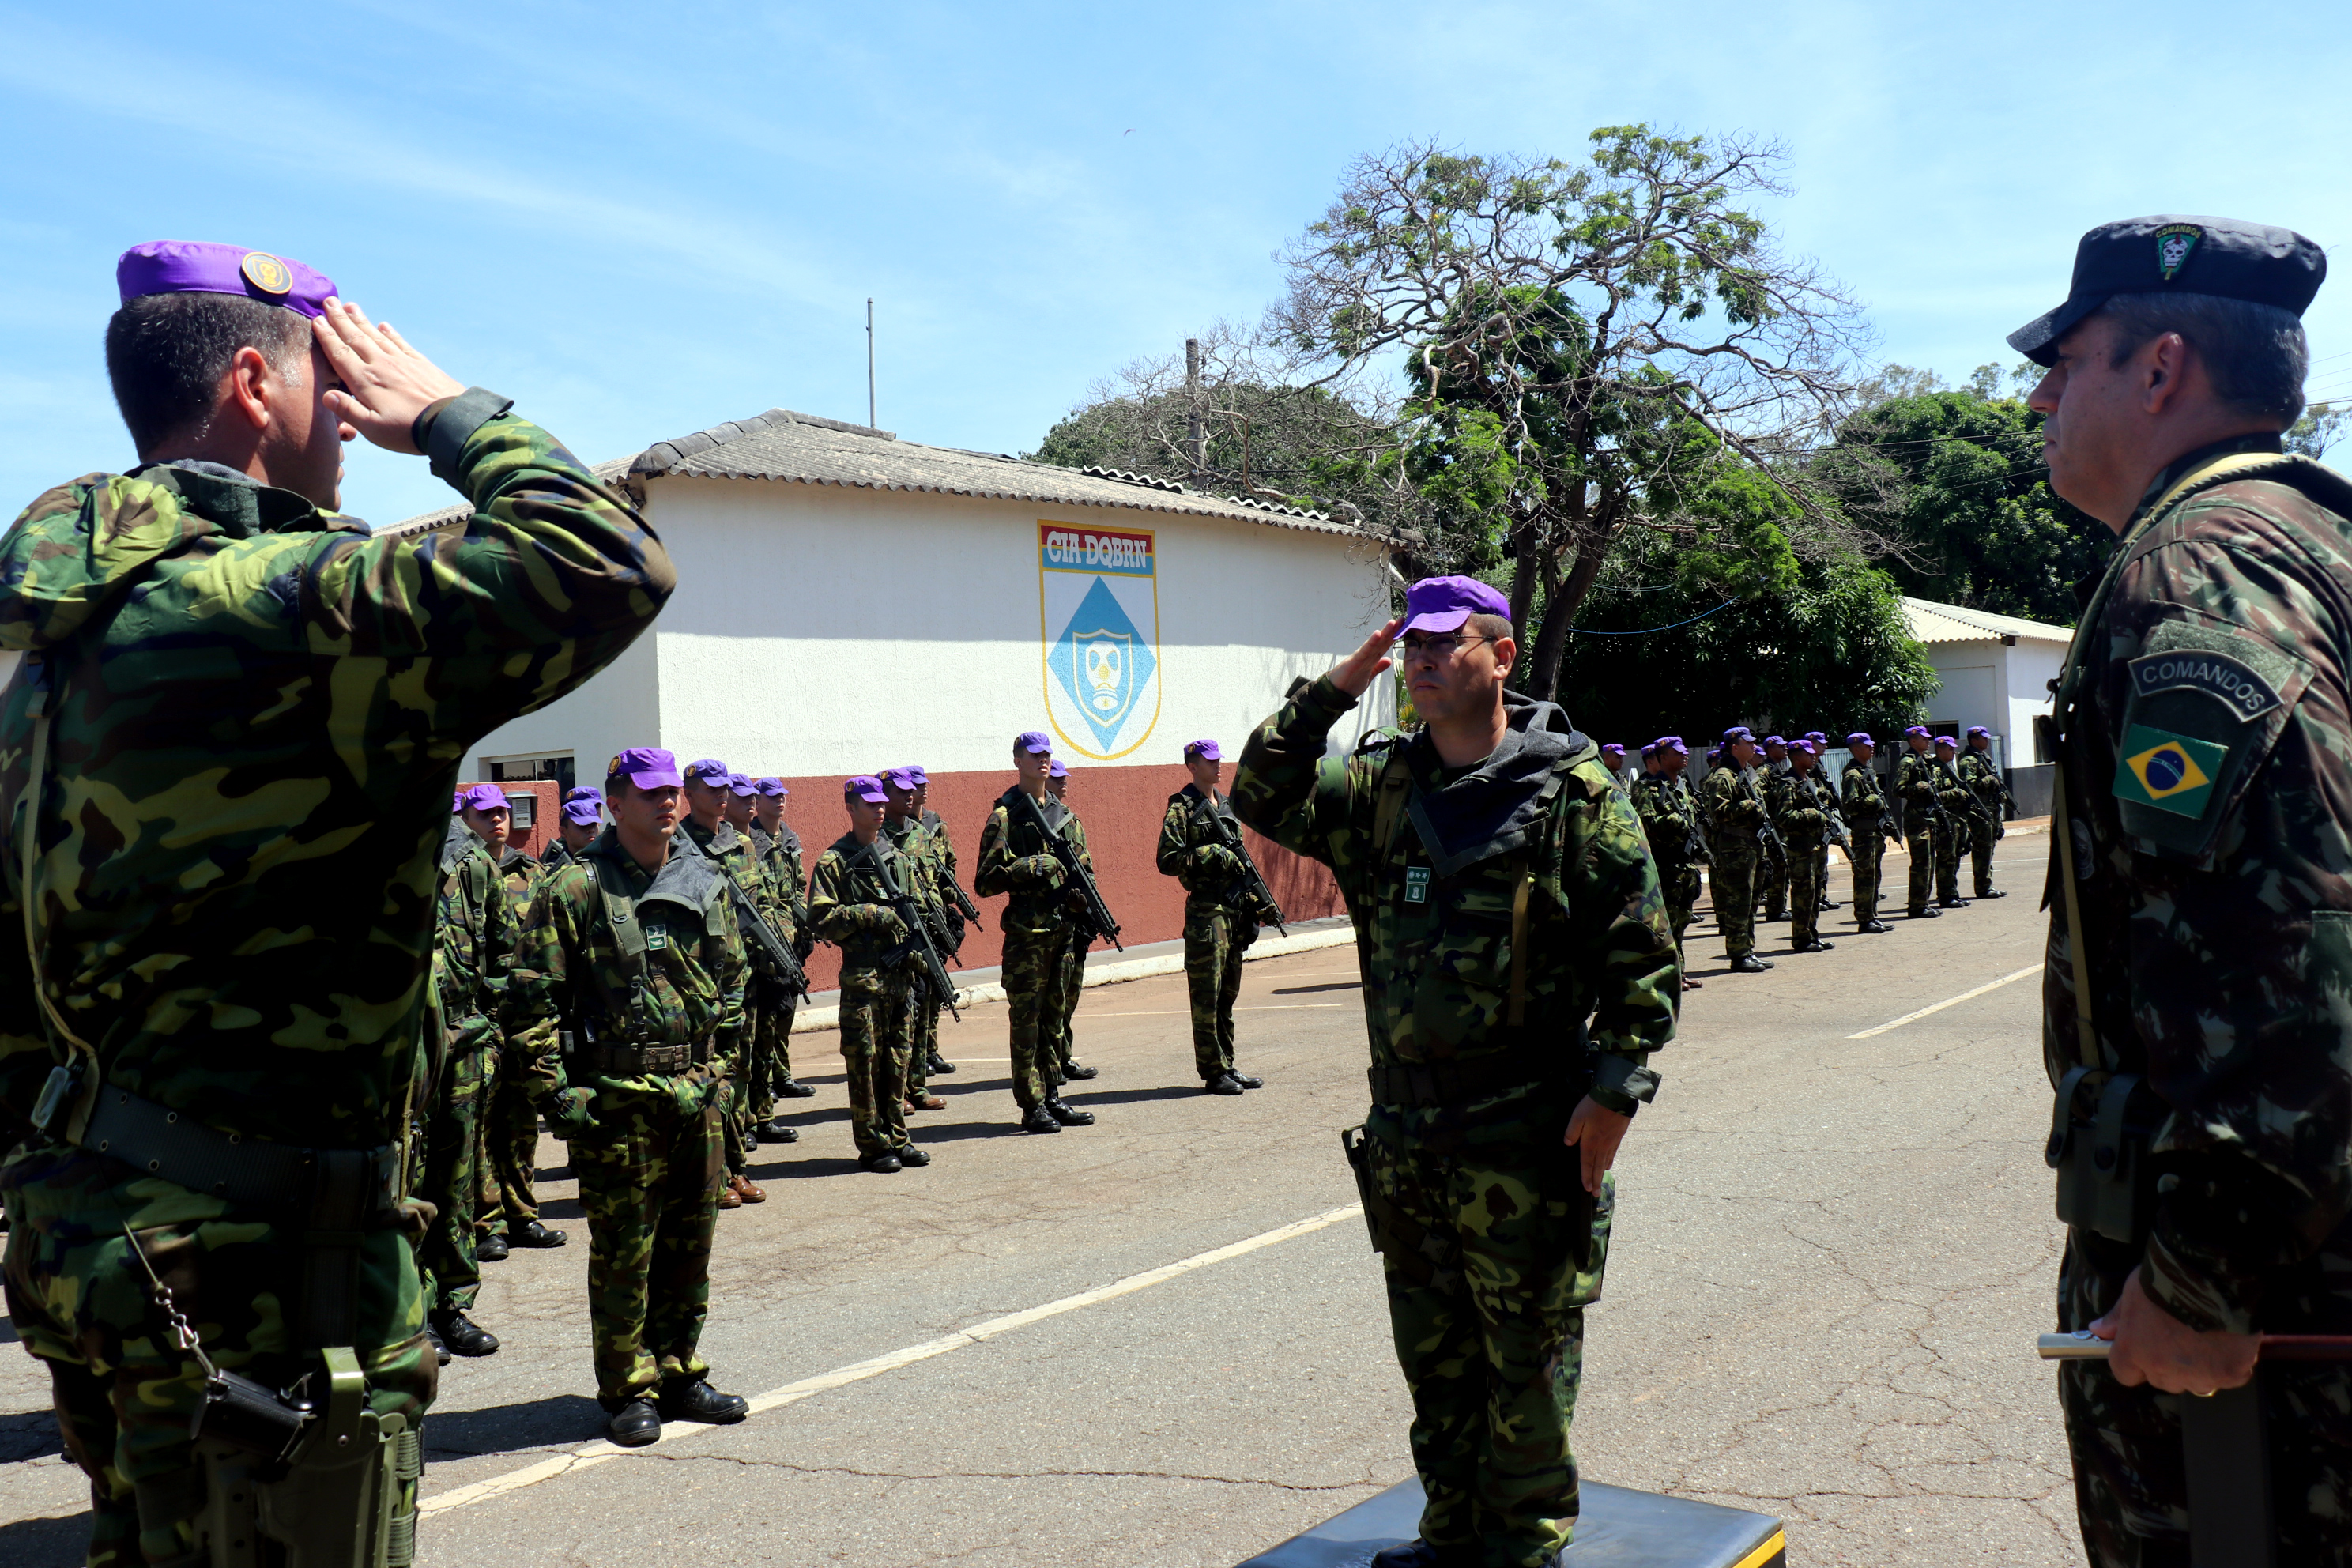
(1948, 1002)
(587, 1455)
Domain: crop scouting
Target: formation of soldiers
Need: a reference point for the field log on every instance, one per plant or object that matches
(1765, 818)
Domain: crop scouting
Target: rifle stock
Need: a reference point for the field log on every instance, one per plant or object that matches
(1251, 880)
(919, 931)
(1073, 870)
(763, 935)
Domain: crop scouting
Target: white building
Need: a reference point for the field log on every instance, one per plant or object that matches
(1994, 670)
(848, 602)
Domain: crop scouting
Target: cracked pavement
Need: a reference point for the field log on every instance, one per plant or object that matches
(1831, 1259)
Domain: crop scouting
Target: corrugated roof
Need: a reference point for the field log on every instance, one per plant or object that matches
(1932, 622)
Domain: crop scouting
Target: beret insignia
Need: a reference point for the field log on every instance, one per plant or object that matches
(2174, 244)
(267, 273)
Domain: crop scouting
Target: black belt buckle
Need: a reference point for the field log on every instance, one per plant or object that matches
(63, 1087)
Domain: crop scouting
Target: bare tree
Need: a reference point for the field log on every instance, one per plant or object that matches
(1585, 347)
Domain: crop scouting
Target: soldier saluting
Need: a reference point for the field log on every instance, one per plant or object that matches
(1505, 1075)
(2201, 950)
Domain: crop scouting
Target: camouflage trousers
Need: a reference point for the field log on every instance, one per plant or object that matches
(1986, 833)
(2130, 1482)
(510, 1150)
(124, 1396)
(770, 1064)
(924, 1044)
(1492, 1356)
(1919, 842)
(649, 1176)
(1950, 844)
(1869, 850)
(735, 1109)
(1821, 871)
(453, 1161)
(1804, 895)
(1733, 877)
(1215, 940)
(1680, 884)
(1033, 964)
(876, 1035)
(1772, 885)
(1069, 984)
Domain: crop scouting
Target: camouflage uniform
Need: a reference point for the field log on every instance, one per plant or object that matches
(849, 908)
(1952, 836)
(1069, 973)
(260, 713)
(1801, 815)
(1865, 815)
(732, 852)
(477, 936)
(943, 869)
(915, 869)
(1480, 1208)
(771, 1066)
(2204, 709)
(651, 1036)
(1672, 828)
(1915, 783)
(1737, 808)
(509, 1121)
(1035, 924)
(1772, 880)
(1982, 780)
(1221, 920)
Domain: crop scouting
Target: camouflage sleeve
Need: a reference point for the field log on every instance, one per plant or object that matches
(550, 941)
(841, 923)
(1284, 787)
(501, 934)
(1730, 802)
(1173, 854)
(723, 951)
(1076, 832)
(996, 870)
(554, 575)
(24, 1055)
(1914, 783)
(1618, 914)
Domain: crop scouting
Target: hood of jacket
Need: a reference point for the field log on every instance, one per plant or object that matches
(1496, 806)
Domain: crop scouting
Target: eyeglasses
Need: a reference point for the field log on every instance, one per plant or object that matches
(1439, 648)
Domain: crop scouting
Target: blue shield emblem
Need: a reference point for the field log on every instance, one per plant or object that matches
(1101, 663)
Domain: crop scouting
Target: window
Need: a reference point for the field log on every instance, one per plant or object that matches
(558, 769)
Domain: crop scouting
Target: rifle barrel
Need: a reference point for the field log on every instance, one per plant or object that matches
(2084, 1345)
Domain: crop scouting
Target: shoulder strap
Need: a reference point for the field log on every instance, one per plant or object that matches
(1388, 809)
(621, 914)
(42, 712)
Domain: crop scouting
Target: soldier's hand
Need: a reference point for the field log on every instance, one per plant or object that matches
(2153, 1346)
(1594, 1131)
(567, 1112)
(1353, 674)
(385, 383)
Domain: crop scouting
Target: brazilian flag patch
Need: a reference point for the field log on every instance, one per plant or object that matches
(2168, 772)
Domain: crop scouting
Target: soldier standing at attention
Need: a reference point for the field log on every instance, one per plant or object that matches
(1071, 977)
(1504, 1073)
(1735, 805)
(508, 1213)
(1993, 800)
(1800, 810)
(1221, 916)
(778, 848)
(2201, 904)
(849, 908)
(1613, 757)
(1015, 861)
(251, 1119)
(1829, 804)
(1672, 826)
(633, 1003)
(1915, 785)
(942, 855)
(1864, 808)
(1959, 812)
(576, 826)
(904, 828)
(1773, 880)
(742, 1096)
(710, 789)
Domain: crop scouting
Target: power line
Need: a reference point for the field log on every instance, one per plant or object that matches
(1645, 631)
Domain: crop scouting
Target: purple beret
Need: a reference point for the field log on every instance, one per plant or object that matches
(1443, 603)
(1861, 738)
(1816, 736)
(646, 767)
(194, 266)
(1976, 730)
(1205, 750)
(582, 791)
(1614, 746)
(1951, 740)
(581, 813)
(1774, 740)
(895, 778)
(773, 789)
(483, 797)
(916, 774)
(1739, 732)
(740, 783)
(1032, 741)
(865, 787)
(710, 771)
(1670, 744)
(1801, 744)
(1058, 771)
(1918, 730)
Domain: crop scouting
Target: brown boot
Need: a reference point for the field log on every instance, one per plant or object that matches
(747, 1190)
(928, 1102)
(727, 1198)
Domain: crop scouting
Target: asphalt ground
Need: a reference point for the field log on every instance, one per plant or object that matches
(1831, 1259)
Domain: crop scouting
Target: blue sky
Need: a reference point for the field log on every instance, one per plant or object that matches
(641, 220)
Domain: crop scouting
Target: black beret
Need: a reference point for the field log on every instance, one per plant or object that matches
(2191, 255)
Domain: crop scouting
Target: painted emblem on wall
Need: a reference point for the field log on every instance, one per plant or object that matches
(1098, 623)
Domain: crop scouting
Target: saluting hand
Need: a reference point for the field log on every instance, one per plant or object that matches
(385, 383)
(1353, 674)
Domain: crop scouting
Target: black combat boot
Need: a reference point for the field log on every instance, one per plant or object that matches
(1223, 1083)
(682, 1400)
(1037, 1119)
(490, 1249)
(1068, 1115)
(1244, 1080)
(635, 1424)
(1926, 912)
(910, 1155)
(1079, 1070)
(533, 1233)
(778, 1131)
(939, 1065)
(1749, 963)
(462, 1335)
(433, 1337)
(1873, 927)
(885, 1164)
(793, 1089)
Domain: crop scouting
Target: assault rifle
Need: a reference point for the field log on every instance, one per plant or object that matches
(919, 945)
(1249, 881)
(1074, 871)
(787, 968)
(1766, 834)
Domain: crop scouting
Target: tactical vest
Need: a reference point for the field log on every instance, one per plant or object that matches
(612, 1032)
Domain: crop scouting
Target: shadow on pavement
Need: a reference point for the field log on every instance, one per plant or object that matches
(963, 1131)
(503, 1429)
(800, 1170)
(32, 1435)
(45, 1542)
(1131, 1096)
(1303, 990)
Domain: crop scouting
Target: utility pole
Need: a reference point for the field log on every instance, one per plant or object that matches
(1198, 442)
(869, 364)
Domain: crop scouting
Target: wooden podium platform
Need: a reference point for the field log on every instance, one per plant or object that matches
(1619, 1529)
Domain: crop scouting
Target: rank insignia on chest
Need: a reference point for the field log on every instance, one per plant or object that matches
(2171, 772)
(657, 938)
(1416, 884)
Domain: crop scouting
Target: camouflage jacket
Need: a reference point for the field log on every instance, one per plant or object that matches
(1916, 787)
(556, 856)
(476, 928)
(779, 856)
(847, 906)
(943, 848)
(1978, 776)
(1800, 808)
(1013, 859)
(1194, 850)
(260, 710)
(919, 875)
(686, 989)
(1669, 822)
(2206, 712)
(1861, 800)
(1431, 880)
(1950, 793)
(1735, 801)
(522, 876)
